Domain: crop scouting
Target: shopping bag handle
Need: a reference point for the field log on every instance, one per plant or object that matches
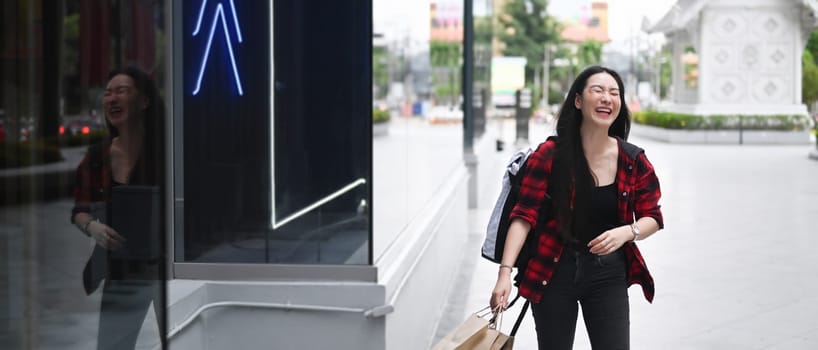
(520, 317)
(484, 312)
(513, 301)
(487, 310)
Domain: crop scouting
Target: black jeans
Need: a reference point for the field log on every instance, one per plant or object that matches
(598, 283)
(126, 299)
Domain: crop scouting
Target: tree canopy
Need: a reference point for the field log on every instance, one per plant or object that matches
(589, 53)
(809, 78)
(525, 29)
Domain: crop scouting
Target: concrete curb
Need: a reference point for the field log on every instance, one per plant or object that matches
(747, 137)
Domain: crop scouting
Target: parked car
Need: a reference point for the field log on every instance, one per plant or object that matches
(25, 125)
(80, 125)
(26, 129)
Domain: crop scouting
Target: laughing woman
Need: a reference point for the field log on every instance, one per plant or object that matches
(605, 197)
(132, 155)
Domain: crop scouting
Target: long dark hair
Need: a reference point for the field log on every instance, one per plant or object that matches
(149, 169)
(570, 172)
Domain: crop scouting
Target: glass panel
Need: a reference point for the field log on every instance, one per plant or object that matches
(288, 186)
(417, 64)
(82, 174)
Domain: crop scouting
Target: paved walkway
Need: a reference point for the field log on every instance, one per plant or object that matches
(735, 266)
(71, 157)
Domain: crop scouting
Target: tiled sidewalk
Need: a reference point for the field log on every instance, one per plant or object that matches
(734, 267)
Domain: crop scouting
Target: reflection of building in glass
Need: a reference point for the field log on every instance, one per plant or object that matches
(401, 72)
(749, 55)
(497, 46)
(593, 27)
(446, 20)
(367, 231)
(445, 51)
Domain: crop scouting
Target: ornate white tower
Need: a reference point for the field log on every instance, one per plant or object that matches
(737, 57)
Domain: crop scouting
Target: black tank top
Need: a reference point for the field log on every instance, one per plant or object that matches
(603, 212)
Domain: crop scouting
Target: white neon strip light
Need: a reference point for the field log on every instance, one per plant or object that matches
(272, 94)
(236, 20)
(199, 21)
(317, 204)
(219, 14)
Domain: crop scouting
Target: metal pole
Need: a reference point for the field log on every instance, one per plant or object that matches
(468, 77)
(546, 76)
(657, 62)
(740, 130)
(469, 157)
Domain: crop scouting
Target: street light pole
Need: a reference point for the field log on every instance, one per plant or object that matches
(468, 77)
(546, 75)
(468, 96)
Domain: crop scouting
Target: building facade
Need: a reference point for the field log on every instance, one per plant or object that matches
(278, 220)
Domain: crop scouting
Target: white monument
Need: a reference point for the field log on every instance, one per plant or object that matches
(737, 56)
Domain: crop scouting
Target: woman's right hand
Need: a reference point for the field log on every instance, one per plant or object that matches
(105, 236)
(502, 289)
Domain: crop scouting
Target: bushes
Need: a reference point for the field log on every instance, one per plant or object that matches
(27, 153)
(83, 139)
(35, 152)
(669, 120)
(380, 115)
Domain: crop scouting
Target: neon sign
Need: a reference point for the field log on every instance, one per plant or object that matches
(219, 15)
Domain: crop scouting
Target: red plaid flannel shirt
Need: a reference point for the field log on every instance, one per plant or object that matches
(93, 179)
(638, 191)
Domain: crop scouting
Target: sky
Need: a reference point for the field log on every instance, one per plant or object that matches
(410, 18)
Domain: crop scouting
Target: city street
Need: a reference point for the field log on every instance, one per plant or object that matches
(734, 266)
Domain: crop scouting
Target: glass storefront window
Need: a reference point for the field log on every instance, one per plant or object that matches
(417, 65)
(82, 174)
(274, 145)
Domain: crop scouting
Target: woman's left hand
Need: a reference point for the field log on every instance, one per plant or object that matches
(611, 240)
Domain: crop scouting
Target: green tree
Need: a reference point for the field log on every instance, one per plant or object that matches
(483, 34)
(812, 44)
(445, 58)
(444, 53)
(809, 79)
(809, 69)
(482, 30)
(589, 53)
(380, 73)
(562, 75)
(525, 29)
